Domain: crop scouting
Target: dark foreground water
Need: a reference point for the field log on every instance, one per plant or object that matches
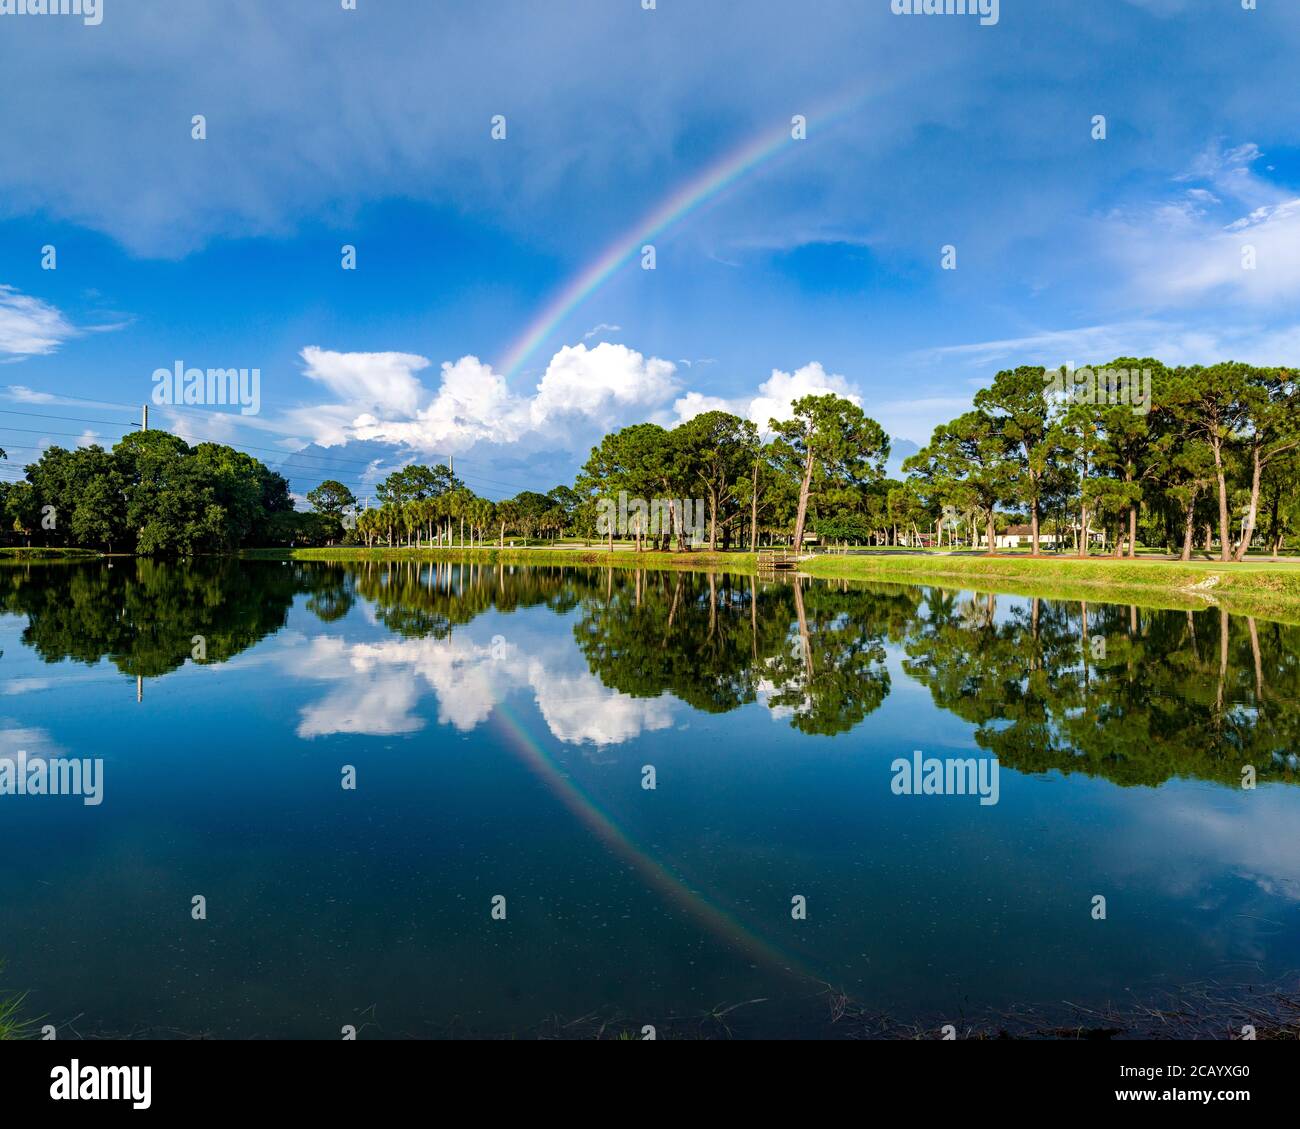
(501, 724)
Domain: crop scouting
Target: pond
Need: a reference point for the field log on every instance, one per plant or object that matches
(443, 799)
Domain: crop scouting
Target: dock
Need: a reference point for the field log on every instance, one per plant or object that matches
(777, 560)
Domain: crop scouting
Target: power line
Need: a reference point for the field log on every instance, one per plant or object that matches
(42, 431)
(68, 419)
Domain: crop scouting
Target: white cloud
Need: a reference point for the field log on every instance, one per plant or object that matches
(472, 404)
(580, 710)
(381, 382)
(376, 689)
(21, 394)
(584, 393)
(1211, 834)
(1054, 347)
(33, 741)
(30, 327)
(1172, 342)
(26, 685)
(773, 398)
(697, 403)
(781, 389)
(381, 397)
(599, 382)
(1191, 248)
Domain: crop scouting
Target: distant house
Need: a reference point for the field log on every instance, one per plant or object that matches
(1014, 536)
(1022, 536)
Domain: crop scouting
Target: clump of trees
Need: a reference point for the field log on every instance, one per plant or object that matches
(1204, 452)
(422, 507)
(1216, 454)
(152, 494)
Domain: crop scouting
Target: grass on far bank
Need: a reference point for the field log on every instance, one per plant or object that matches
(595, 555)
(1257, 586)
(45, 553)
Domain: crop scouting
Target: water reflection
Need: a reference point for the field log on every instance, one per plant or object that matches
(1131, 694)
(499, 719)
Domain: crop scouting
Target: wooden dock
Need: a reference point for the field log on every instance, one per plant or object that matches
(777, 560)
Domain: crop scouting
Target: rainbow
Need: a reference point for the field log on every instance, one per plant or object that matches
(659, 878)
(752, 155)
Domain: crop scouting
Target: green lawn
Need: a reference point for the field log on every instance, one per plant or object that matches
(21, 553)
(620, 558)
(1258, 586)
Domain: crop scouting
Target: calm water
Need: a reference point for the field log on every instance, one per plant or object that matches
(499, 721)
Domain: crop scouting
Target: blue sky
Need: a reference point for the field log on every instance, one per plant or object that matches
(818, 268)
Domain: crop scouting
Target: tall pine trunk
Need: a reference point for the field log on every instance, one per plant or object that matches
(805, 488)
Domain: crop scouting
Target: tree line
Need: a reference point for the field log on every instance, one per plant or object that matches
(1210, 445)
(1208, 454)
(1210, 457)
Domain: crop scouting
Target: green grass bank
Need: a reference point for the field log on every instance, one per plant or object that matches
(1270, 589)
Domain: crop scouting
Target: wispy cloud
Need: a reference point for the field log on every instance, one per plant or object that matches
(1173, 342)
(1233, 236)
(30, 327)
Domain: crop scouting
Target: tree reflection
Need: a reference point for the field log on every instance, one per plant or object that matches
(1136, 695)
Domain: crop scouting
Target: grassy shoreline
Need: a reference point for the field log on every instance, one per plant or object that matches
(623, 558)
(1271, 590)
(22, 553)
(1268, 589)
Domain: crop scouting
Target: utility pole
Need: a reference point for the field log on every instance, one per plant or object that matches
(144, 417)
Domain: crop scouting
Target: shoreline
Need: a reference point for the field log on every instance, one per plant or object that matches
(1258, 587)
(1268, 589)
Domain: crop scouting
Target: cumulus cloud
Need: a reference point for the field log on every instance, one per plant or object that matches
(380, 382)
(774, 397)
(781, 389)
(601, 382)
(512, 436)
(697, 403)
(380, 396)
